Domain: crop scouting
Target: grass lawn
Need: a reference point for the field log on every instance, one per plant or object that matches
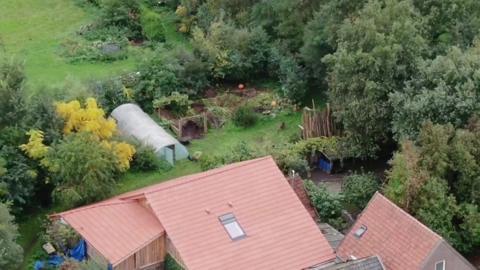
(217, 141)
(32, 30)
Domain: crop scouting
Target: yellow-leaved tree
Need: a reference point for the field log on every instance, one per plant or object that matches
(87, 117)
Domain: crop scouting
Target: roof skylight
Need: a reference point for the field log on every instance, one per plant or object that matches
(360, 231)
(232, 227)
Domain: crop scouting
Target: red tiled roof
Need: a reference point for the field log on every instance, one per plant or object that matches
(280, 232)
(115, 228)
(398, 238)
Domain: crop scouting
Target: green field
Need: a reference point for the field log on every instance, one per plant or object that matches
(32, 30)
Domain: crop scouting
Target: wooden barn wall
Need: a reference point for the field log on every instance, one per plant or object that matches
(174, 253)
(149, 257)
(96, 256)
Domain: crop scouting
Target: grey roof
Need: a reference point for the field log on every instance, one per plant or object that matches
(369, 263)
(333, 236)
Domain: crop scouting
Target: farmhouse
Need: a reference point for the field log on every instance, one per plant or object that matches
(241, 216)
(399, 240)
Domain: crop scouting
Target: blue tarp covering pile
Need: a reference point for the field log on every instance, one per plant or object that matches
(78, 253)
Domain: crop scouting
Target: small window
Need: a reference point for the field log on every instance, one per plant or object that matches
(232, 227)
(440, 265)
(360, 231)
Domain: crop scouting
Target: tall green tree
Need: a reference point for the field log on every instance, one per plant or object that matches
(444, 90)
(450, 22)
(11, 253)
(12, 96)
(377, 52)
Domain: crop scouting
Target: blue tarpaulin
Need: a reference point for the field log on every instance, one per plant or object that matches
(79, 252)
(325, 165)
(54, 260)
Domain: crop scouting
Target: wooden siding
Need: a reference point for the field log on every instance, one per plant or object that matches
(149, 257)
(96, 256)
(174, 253)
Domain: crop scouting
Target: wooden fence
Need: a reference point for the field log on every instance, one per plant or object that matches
(318, 123)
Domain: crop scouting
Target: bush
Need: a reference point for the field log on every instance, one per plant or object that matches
(111, 94)
(176, 103)
(145, 159)
(76, 50)
(61, 235)
(328, 206)
(244, 117)
(358, 189)
(291, 75)
(232, 54)
(166, 72)
(239, 152)
(124, 14)
(152, 25)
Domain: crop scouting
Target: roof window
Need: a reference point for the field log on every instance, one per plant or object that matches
(360, 231)
(440, 265)
(232, 226)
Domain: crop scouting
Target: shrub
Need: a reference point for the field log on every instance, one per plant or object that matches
(124, 14)
(111, 94)
(176, 103)
(291, 75)
(358, 189)
(145, 159)
(61, 235)
(232, 53)
(328, 206)
(77, 50)
(152, 25)
(166, 72)
(244, 117)
(239, 152)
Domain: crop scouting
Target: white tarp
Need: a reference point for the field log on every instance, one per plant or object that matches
(133, 122)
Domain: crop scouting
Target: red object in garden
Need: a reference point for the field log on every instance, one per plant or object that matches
(241, 86)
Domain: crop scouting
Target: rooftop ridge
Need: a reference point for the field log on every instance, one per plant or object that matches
(195, 177)
(107, 202)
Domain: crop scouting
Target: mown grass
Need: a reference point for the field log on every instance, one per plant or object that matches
(33, 30)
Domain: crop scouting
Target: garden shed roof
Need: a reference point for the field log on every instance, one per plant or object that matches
(279, 232)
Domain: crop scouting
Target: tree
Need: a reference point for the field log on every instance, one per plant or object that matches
(377, 52)
(19, 178)
(438, 210)
(12, 98)
(437, 180)
(83, 169)
(321, 33)
(444, 90)
(358, 189)
(11, 253)
(406, 177)
(450, 22)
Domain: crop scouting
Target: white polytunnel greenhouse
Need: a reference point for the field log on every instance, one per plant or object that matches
(133, 122)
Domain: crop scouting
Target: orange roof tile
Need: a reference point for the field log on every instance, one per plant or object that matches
(280, 232)
(398, 238)
(115, 228)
